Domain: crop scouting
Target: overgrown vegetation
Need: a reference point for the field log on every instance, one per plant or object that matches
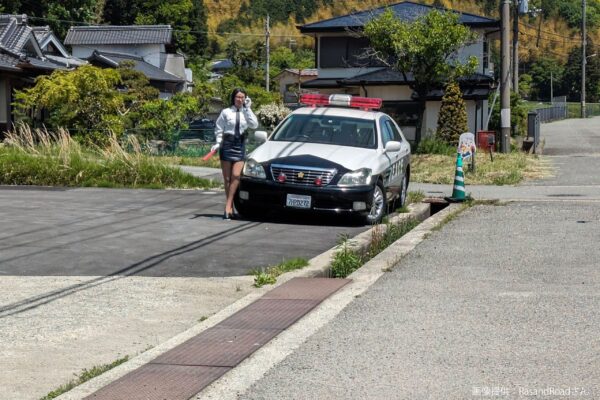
(506, 169)
(83, 377)
(348, 259)
(42, 157)
(268, 275)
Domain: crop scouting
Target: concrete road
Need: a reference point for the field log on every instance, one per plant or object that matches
(502, 302)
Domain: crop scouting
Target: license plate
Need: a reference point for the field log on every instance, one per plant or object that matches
(297, 201)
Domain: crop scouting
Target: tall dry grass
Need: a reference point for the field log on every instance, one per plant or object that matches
(53, 158)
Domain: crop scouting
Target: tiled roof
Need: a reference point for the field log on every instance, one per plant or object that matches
(132, 34)
(8, 62)
(153, 73)
(406, 11)
(387, 76)
(41, 33)
(13, 35)
(303, 72)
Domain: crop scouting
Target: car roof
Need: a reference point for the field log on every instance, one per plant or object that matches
(339, 112)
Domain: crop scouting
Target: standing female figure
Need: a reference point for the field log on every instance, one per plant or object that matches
(231, 142)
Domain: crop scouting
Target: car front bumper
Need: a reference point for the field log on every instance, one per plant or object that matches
(266, 194)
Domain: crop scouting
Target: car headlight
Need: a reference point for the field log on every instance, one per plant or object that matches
(360, 177)
(254, 169)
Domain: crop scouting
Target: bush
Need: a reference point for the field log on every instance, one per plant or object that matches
(433, 145)
(452, 121)
(270, 115)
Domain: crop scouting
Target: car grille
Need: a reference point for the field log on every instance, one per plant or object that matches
(293, 174)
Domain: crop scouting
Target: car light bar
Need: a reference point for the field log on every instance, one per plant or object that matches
(344, 100)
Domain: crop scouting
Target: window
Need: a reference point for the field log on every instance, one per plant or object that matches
(486, 51)
(343, 51)
(394, 129)
(341, 131)
(386, 132)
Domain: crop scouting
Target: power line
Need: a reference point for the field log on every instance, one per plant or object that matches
(549, 33)
(173, 29)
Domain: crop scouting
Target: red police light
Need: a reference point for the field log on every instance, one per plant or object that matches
(343, 100)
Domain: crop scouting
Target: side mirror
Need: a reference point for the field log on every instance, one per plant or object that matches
(392, 146)
(260, 136)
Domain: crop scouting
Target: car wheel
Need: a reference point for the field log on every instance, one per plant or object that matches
(401, 201)
(378, 204)
(244, 210)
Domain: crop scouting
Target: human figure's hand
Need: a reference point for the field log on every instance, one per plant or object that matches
(215, 147)
(248, 102)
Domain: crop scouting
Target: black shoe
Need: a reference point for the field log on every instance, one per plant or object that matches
(227, 216)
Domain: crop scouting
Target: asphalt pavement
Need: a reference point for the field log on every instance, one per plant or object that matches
(502, 302)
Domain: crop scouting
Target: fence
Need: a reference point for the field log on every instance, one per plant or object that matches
(567, 110)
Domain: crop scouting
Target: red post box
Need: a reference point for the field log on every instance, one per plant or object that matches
(486, 140)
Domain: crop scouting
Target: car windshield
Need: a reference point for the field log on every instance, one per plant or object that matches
(342, 131)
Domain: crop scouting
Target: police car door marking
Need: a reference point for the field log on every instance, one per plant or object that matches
(394, 170)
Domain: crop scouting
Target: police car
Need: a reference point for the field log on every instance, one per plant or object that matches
(337, 154)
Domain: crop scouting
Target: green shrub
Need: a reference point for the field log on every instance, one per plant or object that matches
(434, 145)
(452, 121)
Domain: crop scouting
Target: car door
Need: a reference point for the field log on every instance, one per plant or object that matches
(394, 172)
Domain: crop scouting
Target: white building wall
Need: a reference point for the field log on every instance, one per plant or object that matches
(430, 119)
(394, 93)
(174, 64)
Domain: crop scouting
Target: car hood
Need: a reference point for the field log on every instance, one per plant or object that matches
(351, 158)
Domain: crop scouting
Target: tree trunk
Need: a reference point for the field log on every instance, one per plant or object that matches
(420, 123)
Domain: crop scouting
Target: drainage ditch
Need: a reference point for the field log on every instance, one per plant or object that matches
(351, 254)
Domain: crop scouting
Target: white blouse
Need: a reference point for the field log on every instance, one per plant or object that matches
(225, 124)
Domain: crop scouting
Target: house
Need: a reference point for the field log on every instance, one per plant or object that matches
(53, 49)
(290, 82)
(21, 61)
(146, 46)
(342, 70)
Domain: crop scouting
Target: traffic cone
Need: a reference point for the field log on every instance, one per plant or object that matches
(458, 192)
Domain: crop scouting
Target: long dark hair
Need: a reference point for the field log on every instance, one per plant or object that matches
(234, 93)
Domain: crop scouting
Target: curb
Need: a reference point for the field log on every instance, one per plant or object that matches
(318, 267)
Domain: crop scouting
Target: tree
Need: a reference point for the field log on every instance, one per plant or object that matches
(425, 47)
(160, 119)
(571, 80)
(452, 121)
(85, 101)
(545, 71)
(187, 17)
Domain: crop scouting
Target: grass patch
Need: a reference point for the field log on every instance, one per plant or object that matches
(268, 276)
(83, 377)
(347, 259)
(39, 157)
(506, 169)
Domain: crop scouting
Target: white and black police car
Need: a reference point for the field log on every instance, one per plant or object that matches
(338, 154)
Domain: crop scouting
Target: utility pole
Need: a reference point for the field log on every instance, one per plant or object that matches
(515, 43)
(551, 89)
(505, 77)
(268, 48)
(583, 58)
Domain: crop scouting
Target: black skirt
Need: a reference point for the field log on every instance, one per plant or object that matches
(233, 148)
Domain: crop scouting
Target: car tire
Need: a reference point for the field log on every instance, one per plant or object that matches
(401, 200)
(244, 210)
(378, 205)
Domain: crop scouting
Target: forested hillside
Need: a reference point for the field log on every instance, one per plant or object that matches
(205, 29)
